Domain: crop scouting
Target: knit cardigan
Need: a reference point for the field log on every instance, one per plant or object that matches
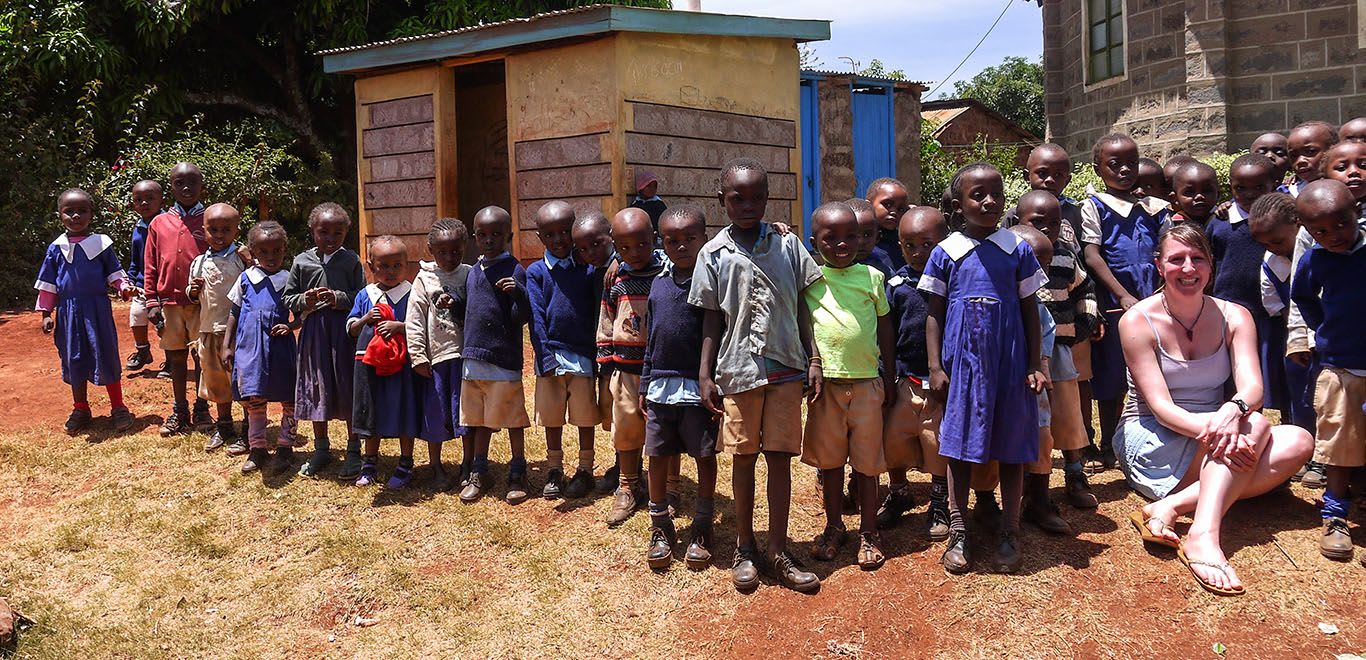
(493, 319)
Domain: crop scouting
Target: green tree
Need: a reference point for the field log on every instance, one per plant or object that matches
(1013, 88)
(876, 69)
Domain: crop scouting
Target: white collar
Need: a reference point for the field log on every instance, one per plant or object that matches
(278, 279)
(394, 295)
(1278, 265)
(959, 244)
(92, 245)
(1235, 214)
(551, 261)
(1120, 206)
(1153, 205)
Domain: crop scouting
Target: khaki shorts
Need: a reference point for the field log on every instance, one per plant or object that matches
(215, 380)
(1341, 435)
(605, 401)
(1081, 358)
(493, 404)
(182, 326)
(910, 437)
(1069, 431)
(764, 419)
(558, 395)
(628, 420)
(137, 311)
(845, 426)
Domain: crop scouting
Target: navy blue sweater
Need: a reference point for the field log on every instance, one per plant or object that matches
(564, 311)
(1328, 289)
(673, 345)
(890, 243)
(1237, 263)
(879, 260)
(493, 319)
(909, 311)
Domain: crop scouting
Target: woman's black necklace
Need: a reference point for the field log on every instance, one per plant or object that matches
(1190, 329)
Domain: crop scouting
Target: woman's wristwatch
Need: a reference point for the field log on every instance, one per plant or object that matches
(1243, 408)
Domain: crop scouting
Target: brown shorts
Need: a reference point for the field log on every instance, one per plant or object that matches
(215, 380)
(764, 419)
(910, 437)
(605, 401)
(182, 326)
(558, 395)
(1341, 434)
(1081, 358)
(493, 404)
(845, 426)
(628, 420)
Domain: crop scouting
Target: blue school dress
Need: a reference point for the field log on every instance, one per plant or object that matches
(263, 366)
(384, 406)
(1127, 244)
(990, 414)
(79, 274)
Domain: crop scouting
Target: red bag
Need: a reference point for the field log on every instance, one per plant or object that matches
(387, 356)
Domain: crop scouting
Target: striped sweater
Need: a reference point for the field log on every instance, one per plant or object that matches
(622, 322)
(1070, 297)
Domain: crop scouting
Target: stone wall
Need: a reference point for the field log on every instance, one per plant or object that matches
(398, 170)
(1205, 75)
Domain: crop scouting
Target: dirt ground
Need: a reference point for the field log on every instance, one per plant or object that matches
(138, 546)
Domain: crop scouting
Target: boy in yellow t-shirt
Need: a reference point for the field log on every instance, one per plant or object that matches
(852, 329)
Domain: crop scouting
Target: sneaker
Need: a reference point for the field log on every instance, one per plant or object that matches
(956, 558)
(177, 423)
(257, 457)
(624, 503)
(744, 574)
(938, 528)
(139, 359)
(222, 433)
(122, 418)
(791, 574)
(870, 557)
(827, 544)
(369, 472)
(1079, 494)
(238, 447)
(1314, 476)
(402, 476)
(661, 550)
(1300, 473)
(284, 460)
(1336, 543)
(1043, 513)
(897, 503)
(475, 487)
(986, 511)
(320, 459)
(517, 488)
(579, 485)
(698, 556)
(1007, 557)
(200, 419)
(554, 484)
(609, 480)
(78, 421)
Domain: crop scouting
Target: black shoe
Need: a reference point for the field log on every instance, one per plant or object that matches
(257, 457)
(579, 485)
(139, 359)
(1043, 513)
(122, 418)
(78, 421)
(517, 488)
(351, 466)
(661, 550)
(200, 419)
(554, 485)
(938, 527)
(1007, 558)
(315, 464)
(986, 511)
(609, 480)
(791, 574)
(284, 460)
(177, 423)
(897, 503)
(1079, 493)
(475, 487)
(956, 559)
(698, 555)
(1314, 476)
(744, 574)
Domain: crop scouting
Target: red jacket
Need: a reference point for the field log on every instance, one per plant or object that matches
(387, 356)
(173, 242)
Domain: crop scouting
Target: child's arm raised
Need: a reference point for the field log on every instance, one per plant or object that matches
(711, 347)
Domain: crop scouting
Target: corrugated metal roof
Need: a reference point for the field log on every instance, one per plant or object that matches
(826, 72)
(447, 33)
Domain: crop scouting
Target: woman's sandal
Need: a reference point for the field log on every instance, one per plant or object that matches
(1222, 568)
(1140, 523)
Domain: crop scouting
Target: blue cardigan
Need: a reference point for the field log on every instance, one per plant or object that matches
(493, 319)
(1328, 289)
(564, 311)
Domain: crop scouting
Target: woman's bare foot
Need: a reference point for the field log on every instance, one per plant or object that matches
(1206, 557)
(1160, 519)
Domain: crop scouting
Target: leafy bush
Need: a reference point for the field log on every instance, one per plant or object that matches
(938, 164)
(1084, 176)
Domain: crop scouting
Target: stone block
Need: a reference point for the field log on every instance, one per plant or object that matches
(1271, 58)
(1250, 90)
(1329, 23)
(411, 220)
(1302, 5)
(1342, 51)
(1195, 67)
(1173, 18)
(395, 194)
(420, 165)
(704, 182)
(411, 110)
(556, 183)
(1168, 74)
(1257, 118)
(404, 139)
(711, 125)
(526, 209)
(689, 152)
(1324, 82)
(1266, 30)
(1312, 55)
(1205, 93)
(1156, 49)
(1298, 112)
(1177, 124)
(1247, 8)
(1141, 25)
(1216, 120)
(558, 152)
(1352, 107)
(1205, 36)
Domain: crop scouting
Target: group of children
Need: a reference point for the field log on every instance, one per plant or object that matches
(966, 341)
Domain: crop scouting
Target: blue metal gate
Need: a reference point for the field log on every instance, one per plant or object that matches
(811, 152)
(874, 136)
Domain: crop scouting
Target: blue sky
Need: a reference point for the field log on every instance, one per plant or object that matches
(925, 38)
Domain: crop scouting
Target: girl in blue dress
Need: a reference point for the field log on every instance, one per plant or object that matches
(72, 285)
(983, 340)
(259, 344)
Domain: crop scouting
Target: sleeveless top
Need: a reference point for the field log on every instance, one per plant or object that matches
(1197, 385)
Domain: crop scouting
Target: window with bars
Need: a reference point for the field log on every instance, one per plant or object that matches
(1105, 39)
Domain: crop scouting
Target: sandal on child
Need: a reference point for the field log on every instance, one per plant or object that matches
(1222, 568)
(870, 557)
(828, 543)
(403, 474)
(1140, 523)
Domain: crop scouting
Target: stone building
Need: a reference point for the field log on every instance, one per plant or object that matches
(1199, 76)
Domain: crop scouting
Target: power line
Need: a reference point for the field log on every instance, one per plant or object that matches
(974, 49)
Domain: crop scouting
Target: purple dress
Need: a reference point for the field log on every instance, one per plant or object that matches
(991, 414)
(326, 349)
(263, 366)
(79, 275)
